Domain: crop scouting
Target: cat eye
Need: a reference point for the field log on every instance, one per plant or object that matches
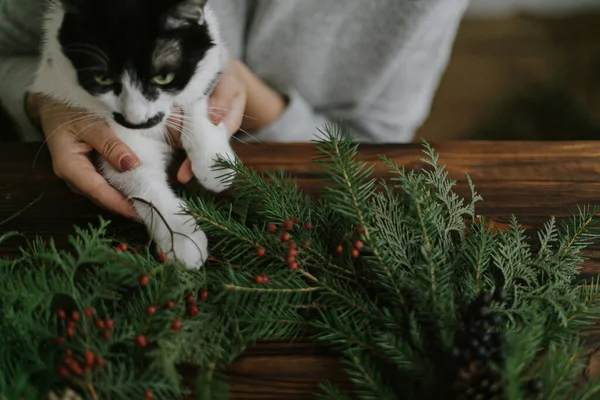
(164, 79)
(103, 80)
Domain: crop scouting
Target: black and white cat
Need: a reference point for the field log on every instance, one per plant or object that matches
(131, 62)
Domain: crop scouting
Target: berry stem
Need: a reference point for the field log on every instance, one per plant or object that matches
(92, 391)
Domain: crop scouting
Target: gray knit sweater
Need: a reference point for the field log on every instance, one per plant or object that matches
(374, 64)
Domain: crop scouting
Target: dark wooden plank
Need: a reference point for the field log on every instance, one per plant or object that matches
(531, 180)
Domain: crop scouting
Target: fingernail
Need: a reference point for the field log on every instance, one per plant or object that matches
(128, 162)
(215, 119)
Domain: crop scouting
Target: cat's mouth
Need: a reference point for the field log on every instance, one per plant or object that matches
(152, 122)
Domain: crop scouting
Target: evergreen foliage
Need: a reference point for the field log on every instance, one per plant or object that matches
(420, 297)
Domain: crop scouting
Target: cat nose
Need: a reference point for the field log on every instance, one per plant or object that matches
(121, 120)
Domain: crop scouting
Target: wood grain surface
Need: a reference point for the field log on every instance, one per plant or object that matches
(532, 180)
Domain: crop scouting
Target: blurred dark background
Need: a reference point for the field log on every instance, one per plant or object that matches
(522, 70)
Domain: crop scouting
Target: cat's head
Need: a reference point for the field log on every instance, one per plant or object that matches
(138, 56)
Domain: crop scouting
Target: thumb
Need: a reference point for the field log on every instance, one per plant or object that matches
(112, 149)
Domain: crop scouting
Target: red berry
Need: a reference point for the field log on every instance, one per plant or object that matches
(358, 244)
(63, 372)
(75, 316)
(294, 220)
(89, 357)
(359, 230)
(148, 394)
(170, 304)
(306, 244)
(287, 224)
(162, 258)
(260, 252)
(150, 310)
(285, 237)
(61, 314)
(60, 341)
(272, 228)
(265, 278)
(290, 259)
(193, 311)
(259, 279)
(354, 253)
(144, 280)
(140, 340)
(293, 245)
(68, 352)
(190, 299)
(292, 253)
(339, 249)
(75, 368)
(100, 361)
(107, 335)
(204, 295)
(308, 226)
(99, 324)
(109, 323)
(71, 324)
(293, 266)
(89, 312)
(176, 325)
(70, 332)
(123, 247)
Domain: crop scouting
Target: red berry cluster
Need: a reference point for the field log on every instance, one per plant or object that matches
(291, 256)
(286, 237)
(78, 366)
(260, 279)
(193, 308)
(72, 364)
(357, 245)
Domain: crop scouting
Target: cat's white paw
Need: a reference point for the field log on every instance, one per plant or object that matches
(191, 248)
(215, 180)
(203, 162)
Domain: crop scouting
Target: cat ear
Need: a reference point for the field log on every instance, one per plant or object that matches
(187, 12)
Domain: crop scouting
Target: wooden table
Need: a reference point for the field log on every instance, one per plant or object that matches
(530, 180)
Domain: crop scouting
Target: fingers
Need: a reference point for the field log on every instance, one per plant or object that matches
(228, 100)
(221, 98)
(185, 173)
(82, 178)
(71, 134)
(111, 148)
(236, 115)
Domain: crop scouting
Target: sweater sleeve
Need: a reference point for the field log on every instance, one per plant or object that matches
(399, 101)
(20, 34)
(298, 123)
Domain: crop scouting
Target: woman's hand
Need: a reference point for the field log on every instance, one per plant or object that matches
(226, 104)
(242, 101)
(71, 135)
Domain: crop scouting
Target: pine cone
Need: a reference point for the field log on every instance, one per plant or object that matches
(478, 350)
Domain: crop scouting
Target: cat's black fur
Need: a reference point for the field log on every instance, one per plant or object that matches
(111, 37)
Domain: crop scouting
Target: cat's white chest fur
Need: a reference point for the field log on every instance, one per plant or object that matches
(177, 235)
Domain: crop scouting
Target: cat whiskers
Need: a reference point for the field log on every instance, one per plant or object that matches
(240, 129)
(179, 128)
(182, 118)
